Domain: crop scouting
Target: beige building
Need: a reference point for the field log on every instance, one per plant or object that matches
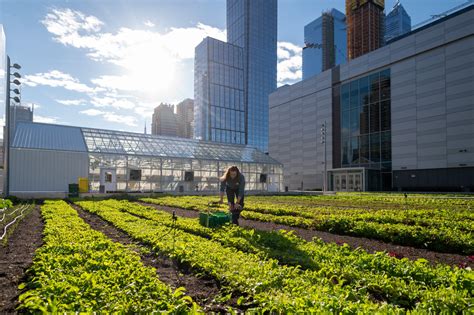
(164, 121)
(185, 116)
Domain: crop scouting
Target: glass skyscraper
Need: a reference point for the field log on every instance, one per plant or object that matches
(325, 43)
(219, 113)
(252, 25)
(397, 22)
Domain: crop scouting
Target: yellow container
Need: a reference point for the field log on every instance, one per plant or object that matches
(83, 185)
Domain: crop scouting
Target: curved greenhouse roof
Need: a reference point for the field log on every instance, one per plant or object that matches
(78, 139)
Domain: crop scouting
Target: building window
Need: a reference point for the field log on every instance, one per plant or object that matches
(366, 122)
(135, 174)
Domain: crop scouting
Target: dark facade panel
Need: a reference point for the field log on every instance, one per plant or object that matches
(445, 179)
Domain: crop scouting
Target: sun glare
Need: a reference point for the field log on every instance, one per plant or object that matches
(150, 69)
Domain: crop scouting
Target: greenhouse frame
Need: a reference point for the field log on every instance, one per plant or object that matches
(46, 158)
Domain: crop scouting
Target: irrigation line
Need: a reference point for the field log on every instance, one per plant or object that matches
(14, 220)
(10, 213)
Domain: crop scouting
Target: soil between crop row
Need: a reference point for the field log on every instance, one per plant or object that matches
(202, 289)
(17, 256)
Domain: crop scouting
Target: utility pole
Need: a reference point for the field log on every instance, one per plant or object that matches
(7, 136)
(323, 141)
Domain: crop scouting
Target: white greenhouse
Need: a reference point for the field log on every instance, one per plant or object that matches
(46, 158)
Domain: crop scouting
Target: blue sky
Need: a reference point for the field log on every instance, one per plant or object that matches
(108, 63)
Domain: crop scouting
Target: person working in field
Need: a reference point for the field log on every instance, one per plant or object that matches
(233, 183)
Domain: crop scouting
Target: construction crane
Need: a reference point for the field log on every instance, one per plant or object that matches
(443, 14)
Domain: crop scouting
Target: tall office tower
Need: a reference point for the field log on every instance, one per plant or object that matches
(365, 26)
(252, 25)
(164, 122)
(325, 43)
(219, 112)
(397, 22)
(185, 116)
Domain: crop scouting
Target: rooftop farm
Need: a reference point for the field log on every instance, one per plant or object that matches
(344, 253)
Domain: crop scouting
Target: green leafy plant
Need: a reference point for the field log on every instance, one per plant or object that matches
(80, 270)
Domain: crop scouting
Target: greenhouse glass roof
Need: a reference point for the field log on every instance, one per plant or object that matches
(65, 138)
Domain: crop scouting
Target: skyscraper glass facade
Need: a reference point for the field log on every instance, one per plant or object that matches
(219, 113)
(397, 23)
(252, 25)
(326, 43)
(366, 124)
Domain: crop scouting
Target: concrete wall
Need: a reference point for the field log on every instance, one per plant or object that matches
(295, 119)
(432, 94)
(433, 108)
(45, 171)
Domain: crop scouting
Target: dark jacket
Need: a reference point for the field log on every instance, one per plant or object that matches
(235, 184)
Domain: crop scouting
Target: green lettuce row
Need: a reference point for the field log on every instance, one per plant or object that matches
(80, 270)
(451, 236)
(292, 289)
(401, 282)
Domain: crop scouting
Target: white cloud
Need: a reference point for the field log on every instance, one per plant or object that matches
(289, 63)
(149, 23)
(112, 117)
(122, 119)
(45, 119)
(92, 112)
(66, 24)
(115, 102)
(149, 58)
(56, 78)
(72, 102)
(145, 111)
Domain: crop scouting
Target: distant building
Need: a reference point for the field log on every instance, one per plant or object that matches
(252, 25)
(164, 121)
(365, 26)
(397, 22)
(219, 92)
(398, 118)
(325, 43)
(18, 114)
(185, 116)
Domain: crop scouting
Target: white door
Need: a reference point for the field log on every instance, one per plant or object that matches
(273, 183)
(350, 182)
(337, 182)
(343, 182)
(357, 182)
(108, 178)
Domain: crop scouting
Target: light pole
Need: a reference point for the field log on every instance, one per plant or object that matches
(6, 136)
(323, 141)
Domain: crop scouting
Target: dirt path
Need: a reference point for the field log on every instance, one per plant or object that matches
(203, 290)
(17, 256)
(369, 245)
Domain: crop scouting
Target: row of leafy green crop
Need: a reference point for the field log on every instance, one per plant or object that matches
(238, 258)
(80, 270)
(371, 201)
(381, 200)
(439, 233)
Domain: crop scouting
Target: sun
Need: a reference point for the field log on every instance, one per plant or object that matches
(151, 68)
